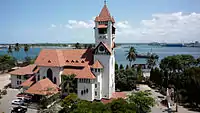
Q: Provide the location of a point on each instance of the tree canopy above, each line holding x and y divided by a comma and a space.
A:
138, 102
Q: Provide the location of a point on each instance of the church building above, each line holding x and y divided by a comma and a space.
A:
94, 67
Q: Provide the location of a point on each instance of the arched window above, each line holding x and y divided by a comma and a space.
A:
50, 74
55, 80
44, 77
38, 77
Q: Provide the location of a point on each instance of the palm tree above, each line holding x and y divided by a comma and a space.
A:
26, 49
77, 46
152, 60
68, 83
10, 50
17, 48
131, 55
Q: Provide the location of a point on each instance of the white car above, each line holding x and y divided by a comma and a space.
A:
17, 102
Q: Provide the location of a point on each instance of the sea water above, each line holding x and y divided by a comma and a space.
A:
120, 52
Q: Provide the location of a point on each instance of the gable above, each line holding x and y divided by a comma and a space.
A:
102, 49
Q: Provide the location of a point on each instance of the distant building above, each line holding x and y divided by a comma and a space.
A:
94, 67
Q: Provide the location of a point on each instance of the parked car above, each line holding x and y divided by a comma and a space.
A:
18, 102
19, 109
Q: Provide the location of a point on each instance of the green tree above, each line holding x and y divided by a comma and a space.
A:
69, 84
6, 62
17, 48
142, 101
139, 73
26, 49
131, 55
77, 46
121, 67
10, 51
152, 60
116, 66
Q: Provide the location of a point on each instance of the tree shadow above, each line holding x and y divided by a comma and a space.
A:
191, 107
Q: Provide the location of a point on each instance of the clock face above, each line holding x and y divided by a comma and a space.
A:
101, 48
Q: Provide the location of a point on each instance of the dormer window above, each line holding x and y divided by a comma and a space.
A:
76, 61
49, 61
67, 60
72, 61
82, 61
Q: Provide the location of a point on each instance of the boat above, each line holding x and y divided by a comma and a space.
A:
173, 45
142, 56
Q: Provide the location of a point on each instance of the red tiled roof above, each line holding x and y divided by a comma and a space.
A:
65, 57
104, 15
115, 95
30, 69
29, 82
102, 26
80, 73
43, 87
97, 64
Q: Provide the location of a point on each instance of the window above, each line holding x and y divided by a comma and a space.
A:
86, 90
95, 70
95, 85
20, 82
95, 93
55, 80
19, 77
17, 82
44, 77
50, 74
81, 92
38, 77
91, 69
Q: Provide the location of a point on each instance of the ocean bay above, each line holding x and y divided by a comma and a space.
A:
120, 52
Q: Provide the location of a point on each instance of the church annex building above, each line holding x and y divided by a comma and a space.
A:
94, 67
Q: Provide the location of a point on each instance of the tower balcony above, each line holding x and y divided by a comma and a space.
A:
103, 36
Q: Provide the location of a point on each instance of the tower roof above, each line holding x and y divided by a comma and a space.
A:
104, 15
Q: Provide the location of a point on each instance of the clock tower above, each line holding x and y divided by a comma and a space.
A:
104, 50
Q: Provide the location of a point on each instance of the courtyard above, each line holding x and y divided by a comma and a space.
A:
5, 101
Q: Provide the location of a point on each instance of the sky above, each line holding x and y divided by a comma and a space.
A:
69, 21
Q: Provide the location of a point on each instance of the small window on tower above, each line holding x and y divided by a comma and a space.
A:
95, 93
95, 85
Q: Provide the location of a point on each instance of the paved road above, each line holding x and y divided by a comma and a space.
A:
5, 102
4, 80
158, 108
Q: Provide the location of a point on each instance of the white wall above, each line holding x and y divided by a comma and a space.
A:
56, 73
14, 80
105, 61
83, 86
98, 81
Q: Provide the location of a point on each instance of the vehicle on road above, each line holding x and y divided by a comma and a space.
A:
18, 102
19, 109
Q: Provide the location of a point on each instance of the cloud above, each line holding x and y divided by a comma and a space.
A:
123, 25
74, 24
174, 27
170, 27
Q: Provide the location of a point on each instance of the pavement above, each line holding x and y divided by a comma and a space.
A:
5, 101
159, 108
4, 80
